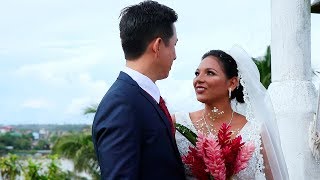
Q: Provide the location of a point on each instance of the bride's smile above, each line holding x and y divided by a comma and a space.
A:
211, 83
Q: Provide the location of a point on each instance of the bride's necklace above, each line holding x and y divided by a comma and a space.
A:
202, 122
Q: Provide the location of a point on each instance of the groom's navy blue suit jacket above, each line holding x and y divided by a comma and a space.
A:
132, 136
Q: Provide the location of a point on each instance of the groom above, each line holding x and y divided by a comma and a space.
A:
133, 133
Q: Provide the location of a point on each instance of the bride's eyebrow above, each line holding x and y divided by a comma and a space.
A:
211, 69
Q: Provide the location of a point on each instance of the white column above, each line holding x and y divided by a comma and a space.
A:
292, 92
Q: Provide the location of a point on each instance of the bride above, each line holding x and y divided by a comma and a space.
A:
228, 85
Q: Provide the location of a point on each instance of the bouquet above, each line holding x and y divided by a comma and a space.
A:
217, 157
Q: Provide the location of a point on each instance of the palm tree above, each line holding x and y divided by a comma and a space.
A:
264, 66
32, 170
35, 170
79, 148
91, 109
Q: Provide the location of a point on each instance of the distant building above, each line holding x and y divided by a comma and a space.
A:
35, 135
5, 129
9, 147
43, 134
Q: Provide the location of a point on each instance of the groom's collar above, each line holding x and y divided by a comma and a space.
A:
144, 82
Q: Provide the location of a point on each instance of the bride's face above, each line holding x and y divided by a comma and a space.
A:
210, 82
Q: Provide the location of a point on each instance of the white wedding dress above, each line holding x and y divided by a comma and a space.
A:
250, 132
261, 125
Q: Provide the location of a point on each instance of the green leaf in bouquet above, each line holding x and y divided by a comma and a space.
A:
187, 133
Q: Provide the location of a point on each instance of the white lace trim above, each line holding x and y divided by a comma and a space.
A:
248, 112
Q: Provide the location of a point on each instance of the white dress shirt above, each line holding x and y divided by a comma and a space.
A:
144, 82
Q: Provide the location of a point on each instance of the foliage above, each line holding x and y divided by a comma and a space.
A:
10, 167
91, 109
33, 171
264, 66
42, 145
18, 141
79, 148
54, 137
54, 172
3, 149
191, 136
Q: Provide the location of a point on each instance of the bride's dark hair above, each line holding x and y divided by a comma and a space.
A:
230, 69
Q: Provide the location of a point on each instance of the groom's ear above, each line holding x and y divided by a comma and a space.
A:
155, 46
233, 83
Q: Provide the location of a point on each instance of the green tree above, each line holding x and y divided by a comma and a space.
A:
79, 148
3, 149
46, 171
264, 66
53, 138
7, 139
18, 141
91, 109
54, 172
32, 171
22, 144
42, 144
10, 167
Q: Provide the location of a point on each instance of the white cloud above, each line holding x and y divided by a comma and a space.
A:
72, 51
38, 103
78, 105
179, 95
59, 71
96, 88
93, 91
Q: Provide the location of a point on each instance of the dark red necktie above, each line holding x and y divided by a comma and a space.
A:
164, 108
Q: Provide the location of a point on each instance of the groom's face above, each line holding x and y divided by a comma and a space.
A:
167, 54
210, 82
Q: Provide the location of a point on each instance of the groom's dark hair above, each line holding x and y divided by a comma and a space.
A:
230, 69
142, 23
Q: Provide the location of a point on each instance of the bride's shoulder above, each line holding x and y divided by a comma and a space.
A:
180, 116
240, 117
242, 122
239, 120
196, 114
183, 117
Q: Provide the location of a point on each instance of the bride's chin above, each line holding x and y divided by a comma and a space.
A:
202, 100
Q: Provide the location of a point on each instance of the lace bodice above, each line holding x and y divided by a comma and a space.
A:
250, 132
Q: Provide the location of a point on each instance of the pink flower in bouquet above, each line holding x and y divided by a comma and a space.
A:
213, 158
220, 157
244, 156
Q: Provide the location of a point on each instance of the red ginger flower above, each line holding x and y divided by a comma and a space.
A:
224, 135
196, 164
200, 144
213, 159
222, 157
244, 156
230, 148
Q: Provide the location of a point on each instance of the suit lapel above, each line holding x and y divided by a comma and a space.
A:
164, 119
128, 79
160, 112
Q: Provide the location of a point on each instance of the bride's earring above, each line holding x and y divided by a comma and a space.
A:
229, 93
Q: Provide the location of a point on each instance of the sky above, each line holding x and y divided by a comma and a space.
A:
59, 57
